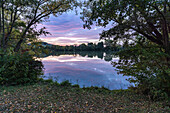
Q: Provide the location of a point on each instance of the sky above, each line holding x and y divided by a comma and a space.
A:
67, 29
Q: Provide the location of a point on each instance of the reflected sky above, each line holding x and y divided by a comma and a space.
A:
84, 71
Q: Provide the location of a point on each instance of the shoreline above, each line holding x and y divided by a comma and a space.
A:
48, 96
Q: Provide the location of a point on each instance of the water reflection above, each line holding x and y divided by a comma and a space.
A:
85, 69
91, 54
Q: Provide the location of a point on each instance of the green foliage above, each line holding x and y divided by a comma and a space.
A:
65, 83
19, 69
40, 79
148, 68
48, 81
142, 26
76, 86
129, 18
56, 83
82, 47
19, 19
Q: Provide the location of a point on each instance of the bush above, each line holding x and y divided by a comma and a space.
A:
76, 86
19, 69
147, 67
65, 83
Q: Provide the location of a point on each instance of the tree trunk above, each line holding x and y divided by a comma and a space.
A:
3, 26
166, 36
0, 25
18, 45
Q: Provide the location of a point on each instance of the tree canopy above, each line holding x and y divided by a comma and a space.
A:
144, 28
129, 18
19, 19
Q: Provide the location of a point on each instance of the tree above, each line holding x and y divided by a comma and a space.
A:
83, 47
130, 18
24, 15
100, 46
144, 28
2, 24
18, 22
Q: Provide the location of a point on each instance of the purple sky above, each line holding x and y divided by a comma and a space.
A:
67, 29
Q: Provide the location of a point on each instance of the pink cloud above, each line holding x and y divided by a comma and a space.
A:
68, 29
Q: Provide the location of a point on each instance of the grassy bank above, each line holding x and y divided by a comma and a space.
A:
52, 97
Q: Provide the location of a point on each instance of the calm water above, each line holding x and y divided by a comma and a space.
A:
85, 69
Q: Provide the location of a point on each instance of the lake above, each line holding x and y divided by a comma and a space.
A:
84, 68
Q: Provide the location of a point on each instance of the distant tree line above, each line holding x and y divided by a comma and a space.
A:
82, 47
107, 56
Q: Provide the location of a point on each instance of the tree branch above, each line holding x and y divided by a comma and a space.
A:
148, 37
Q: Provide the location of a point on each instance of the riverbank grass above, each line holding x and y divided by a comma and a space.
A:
54, 97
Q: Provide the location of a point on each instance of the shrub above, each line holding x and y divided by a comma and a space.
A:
147, 67
76, 86
65, 83
19, 69
48, 81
